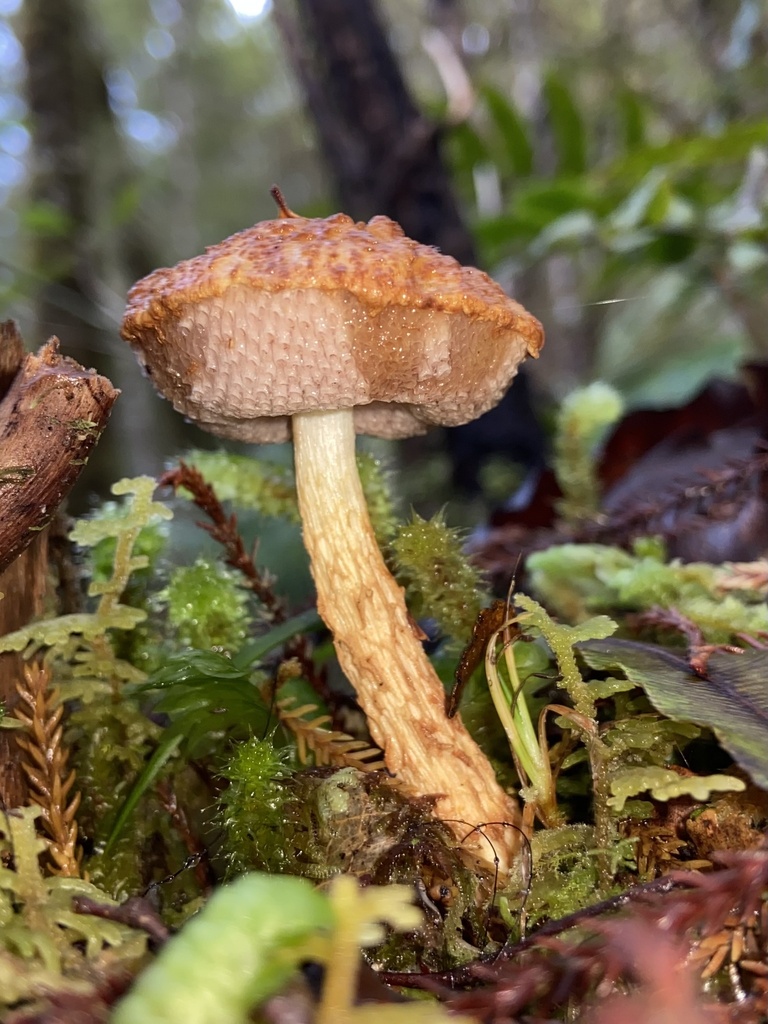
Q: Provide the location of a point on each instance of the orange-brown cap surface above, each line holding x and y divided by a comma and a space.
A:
297, 314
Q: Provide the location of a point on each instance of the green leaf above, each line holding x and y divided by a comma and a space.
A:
536, 205
512, 131
164, 751
542, 201
467, 148
732, 145
665, 784
46, 218
732, 700
574, 229
242, 946
191, 666
632, 114
195, 665
567, 126
255, 651
213, 705
633, 212
204, 692
199, 707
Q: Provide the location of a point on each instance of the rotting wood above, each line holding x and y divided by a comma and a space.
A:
50, 419
52, 413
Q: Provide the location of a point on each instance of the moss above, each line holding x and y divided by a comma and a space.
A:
209, 702
252, 807
440, 581
577, 580
207, 606
582, 422
565, 875
255, 484
39, 926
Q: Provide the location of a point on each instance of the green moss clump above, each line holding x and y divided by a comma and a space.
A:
207, 606
577, 580
255, 484
110, 742
323, 822
582, 422
440, 581
253, 807
375, 482
565, 874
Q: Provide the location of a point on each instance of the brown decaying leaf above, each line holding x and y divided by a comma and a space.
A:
488, 622
45, 765
704, 466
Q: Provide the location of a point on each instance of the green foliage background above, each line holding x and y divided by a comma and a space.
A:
613, 168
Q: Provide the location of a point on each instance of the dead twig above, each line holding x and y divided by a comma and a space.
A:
699, 652
136, 912
203, 870
223, 529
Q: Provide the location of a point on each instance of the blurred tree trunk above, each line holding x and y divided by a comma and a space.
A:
179, 86
386, 158
68, 112
384, 154
79, 254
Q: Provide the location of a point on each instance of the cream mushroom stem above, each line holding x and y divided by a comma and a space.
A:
396, 685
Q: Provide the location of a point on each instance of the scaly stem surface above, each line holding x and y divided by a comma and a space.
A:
396, 685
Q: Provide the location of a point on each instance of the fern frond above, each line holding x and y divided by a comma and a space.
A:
327, 746
91, 629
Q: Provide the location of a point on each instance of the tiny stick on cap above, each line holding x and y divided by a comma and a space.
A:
285, 210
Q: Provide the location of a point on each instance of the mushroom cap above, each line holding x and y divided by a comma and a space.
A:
299, 314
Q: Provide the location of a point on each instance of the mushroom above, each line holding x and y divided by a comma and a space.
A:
320, 328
